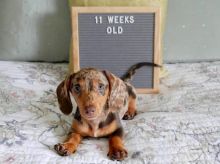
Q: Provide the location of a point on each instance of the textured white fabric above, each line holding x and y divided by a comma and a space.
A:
179, 125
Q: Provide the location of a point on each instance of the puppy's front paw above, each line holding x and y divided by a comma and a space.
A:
117, 153
65, 149
129, 115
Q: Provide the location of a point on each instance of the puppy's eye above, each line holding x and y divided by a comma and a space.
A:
76, 88
101, 87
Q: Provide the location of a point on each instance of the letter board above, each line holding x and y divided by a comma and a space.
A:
115, 38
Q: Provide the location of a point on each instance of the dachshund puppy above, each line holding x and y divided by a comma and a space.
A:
102, 101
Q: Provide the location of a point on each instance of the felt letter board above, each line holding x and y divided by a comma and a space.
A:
115, 38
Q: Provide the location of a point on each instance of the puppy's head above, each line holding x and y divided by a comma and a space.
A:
90, 89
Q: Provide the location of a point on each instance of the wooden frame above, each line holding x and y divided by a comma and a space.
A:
75, 58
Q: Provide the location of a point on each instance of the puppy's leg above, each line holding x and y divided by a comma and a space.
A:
116, 147
69, 146
131, 112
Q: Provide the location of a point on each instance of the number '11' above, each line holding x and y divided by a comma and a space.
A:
98, 19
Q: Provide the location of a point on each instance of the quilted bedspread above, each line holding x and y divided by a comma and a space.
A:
181, 124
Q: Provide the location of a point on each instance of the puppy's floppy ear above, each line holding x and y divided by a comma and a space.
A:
115, 90
63, 95
111, 79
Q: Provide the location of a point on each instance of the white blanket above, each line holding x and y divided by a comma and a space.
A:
179, 125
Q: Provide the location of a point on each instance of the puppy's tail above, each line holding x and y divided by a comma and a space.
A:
132, 70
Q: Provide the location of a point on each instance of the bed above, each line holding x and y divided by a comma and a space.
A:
181, 124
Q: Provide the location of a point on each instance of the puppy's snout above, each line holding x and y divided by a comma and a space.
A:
90, 110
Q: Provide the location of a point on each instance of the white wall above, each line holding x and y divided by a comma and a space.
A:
34, 30
40, 30
192, 31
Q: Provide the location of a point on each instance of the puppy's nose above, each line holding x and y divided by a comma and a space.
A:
90, 110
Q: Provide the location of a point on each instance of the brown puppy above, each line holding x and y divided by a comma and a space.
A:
102, 101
